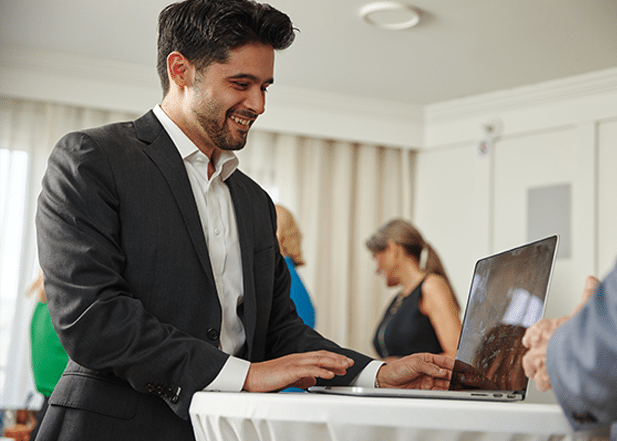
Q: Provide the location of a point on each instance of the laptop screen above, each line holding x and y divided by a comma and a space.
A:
507, 295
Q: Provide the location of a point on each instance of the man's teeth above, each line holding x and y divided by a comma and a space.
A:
244, 122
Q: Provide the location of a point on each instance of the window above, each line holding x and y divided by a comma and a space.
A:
14, 307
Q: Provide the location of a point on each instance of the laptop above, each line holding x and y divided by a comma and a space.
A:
507, 295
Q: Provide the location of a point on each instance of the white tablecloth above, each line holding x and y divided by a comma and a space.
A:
303, 416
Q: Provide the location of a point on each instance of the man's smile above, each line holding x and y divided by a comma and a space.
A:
243, 121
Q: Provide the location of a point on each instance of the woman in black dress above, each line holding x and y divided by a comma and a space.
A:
425, 315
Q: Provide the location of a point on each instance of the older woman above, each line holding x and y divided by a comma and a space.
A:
425, 315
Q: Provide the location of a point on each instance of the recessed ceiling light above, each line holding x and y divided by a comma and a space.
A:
390, 15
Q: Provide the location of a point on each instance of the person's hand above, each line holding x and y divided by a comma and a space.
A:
417, 371
467, 377
536, 339
537, 336
295, 370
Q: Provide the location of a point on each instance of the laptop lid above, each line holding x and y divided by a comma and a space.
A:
507, 295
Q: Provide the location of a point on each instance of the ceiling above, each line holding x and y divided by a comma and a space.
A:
459, 49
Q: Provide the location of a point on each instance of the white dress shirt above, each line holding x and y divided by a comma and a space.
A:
218, 220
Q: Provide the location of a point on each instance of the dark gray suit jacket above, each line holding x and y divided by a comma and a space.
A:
131, 290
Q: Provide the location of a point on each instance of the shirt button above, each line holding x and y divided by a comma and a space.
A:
217, 231
212, 334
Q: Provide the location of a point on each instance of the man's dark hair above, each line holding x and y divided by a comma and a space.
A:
204, 31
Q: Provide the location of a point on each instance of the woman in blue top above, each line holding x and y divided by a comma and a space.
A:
425, 315
289, 237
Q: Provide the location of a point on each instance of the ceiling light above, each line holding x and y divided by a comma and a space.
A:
390, 15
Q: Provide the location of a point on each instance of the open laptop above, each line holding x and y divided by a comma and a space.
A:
507, 295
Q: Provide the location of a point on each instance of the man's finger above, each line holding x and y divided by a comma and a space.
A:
432, 369
326, 359
542, 382
440, 360
591, 284
528, 366
528, 337
322, 364
304, 383
440, 384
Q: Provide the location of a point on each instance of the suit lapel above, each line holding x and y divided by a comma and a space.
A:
164, 154
243, 209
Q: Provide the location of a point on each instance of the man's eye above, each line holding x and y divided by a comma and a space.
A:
241, 85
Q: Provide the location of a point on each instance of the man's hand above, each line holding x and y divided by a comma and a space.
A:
536, 339
417, 371
295, 370
467, 377
537, 336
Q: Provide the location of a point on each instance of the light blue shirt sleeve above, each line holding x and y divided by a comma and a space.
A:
581, 358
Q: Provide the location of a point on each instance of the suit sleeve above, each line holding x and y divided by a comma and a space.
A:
581, 360
102, 325
288, 334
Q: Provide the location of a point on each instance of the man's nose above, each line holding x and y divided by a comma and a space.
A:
256, 101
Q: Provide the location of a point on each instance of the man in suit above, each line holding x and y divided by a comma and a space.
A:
161, 262
576, 356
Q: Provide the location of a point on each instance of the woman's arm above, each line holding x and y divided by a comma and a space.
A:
437, 304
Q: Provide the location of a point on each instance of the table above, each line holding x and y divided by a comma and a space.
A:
218, 416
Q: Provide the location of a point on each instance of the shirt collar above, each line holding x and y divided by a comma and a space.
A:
227, 163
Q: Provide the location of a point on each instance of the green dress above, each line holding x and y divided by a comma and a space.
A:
48, 356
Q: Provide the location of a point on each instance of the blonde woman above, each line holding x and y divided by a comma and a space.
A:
289, 238
425, 315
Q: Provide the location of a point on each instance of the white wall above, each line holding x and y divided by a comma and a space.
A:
607, 199
470, 205
83, 81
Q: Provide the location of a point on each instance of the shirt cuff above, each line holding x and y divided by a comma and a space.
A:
366, 378
232, 377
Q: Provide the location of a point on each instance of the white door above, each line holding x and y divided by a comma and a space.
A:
560, 162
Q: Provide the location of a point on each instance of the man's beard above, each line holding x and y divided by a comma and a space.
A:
218, 132
221, 137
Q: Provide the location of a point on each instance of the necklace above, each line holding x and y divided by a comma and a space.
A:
400, 297
397, 303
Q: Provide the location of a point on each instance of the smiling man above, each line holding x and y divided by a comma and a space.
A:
216, 106
160, 257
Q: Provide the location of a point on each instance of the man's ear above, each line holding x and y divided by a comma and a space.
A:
179, 70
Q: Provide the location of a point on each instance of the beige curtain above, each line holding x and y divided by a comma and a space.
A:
340, 193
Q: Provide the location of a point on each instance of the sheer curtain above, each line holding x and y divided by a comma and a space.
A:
28, 132
339, 193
